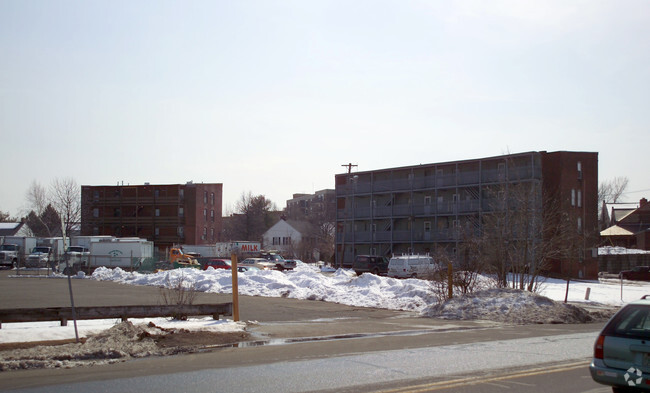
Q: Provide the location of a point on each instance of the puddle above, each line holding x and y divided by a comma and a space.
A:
352, 336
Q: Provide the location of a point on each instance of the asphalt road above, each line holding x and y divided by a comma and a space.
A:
287, 333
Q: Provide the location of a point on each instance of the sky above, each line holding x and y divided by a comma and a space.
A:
273, 97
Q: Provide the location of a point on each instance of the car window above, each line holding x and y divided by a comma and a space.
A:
633, 322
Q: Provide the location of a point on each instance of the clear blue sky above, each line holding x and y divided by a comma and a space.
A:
272, 97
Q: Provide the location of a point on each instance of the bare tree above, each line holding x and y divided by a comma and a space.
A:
6, 217
611, 191
252, 217
40, 218
65, 197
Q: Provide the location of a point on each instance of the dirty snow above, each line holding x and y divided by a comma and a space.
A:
110, 341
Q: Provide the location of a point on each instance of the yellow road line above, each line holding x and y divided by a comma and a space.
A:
484, 379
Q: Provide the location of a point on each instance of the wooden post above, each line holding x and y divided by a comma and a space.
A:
450, 280
235, 288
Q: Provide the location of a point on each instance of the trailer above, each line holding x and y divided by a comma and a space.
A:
125, 253
204, 250
14, 249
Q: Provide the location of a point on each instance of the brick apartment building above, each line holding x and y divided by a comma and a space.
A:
418, 209
165, 214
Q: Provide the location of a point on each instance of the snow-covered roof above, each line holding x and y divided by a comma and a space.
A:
9, 225
616, 231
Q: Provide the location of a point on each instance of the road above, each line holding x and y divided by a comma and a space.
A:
317, 346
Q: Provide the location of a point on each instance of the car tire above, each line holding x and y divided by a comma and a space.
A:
624, 389
375, 271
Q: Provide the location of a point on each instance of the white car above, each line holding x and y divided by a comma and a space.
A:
259, 263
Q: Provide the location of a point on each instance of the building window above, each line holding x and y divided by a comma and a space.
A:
156, 193
212, 215
181, 232
212, 233
205, 197
180, 212
212, 198
95, 212
205, 233
96, 195
157, 213
156, 231
579, 224
427, 226
116, 212
181, 193
579, 198
205, 214
573, 197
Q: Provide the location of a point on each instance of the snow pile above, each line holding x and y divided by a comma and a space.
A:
609, 250
509, 306
304, 282
121, 342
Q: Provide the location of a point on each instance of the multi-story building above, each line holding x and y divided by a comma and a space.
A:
321, 204
165, 214
427, 208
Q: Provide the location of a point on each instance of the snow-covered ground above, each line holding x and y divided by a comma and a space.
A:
307, 282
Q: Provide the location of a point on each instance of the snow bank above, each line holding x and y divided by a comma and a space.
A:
508, 305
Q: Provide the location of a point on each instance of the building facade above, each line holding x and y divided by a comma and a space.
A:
321, 204
428, 208
165, 214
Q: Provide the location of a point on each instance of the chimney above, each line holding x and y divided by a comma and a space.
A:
642, 202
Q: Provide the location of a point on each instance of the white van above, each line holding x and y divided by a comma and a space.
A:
411, 266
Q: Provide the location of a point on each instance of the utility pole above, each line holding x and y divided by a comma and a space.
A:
349, 166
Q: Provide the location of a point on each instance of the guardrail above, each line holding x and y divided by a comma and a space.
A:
64, 314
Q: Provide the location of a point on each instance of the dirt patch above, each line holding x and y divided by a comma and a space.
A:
120, 343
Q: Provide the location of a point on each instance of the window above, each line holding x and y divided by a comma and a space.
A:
573, 197
156, 231
427, 200
95, 212
579, 198
212, 233
579, 224
579, 170
181, 232
427, 226
205, 233
116, 212
96, 195
157, 213
156, 193
205, 214
180, 212
212, 198
212, 215
205, 197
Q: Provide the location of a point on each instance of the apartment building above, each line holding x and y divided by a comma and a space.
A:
165, 214
428, 208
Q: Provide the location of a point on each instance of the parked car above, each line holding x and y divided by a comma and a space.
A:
622, 349
217, 264
412, 266
242, 269
279, 261
259, 263
370, 264
639, 273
